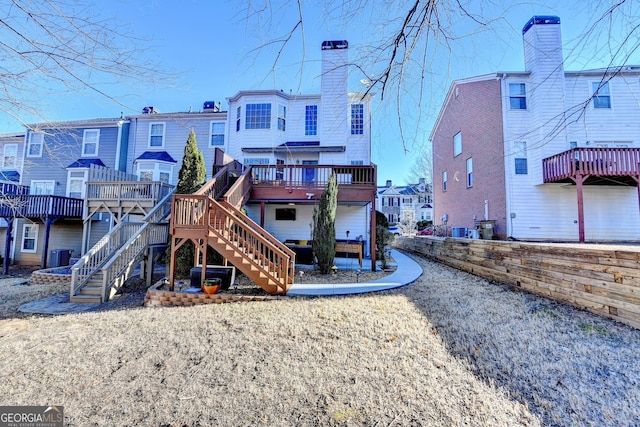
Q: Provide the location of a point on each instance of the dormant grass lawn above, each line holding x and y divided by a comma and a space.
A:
448, 350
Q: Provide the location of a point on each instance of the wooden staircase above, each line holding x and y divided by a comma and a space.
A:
212, 218
98, 275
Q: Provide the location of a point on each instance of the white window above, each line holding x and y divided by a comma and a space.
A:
601, 95
76, 181
9, 156
457, 144
520, 157
258, 116
156, 135
217, 134
469, 172
35, 143
311, 120
155, 171
30, 238
282, 117
42, 187
90, 140
517, 96
357, 119
444, 181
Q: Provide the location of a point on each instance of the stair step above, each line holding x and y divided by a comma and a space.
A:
91, 290
85, 299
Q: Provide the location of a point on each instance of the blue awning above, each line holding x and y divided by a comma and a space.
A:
162, 156
85, 163
12, 176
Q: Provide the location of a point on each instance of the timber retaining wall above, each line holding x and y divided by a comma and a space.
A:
603, 279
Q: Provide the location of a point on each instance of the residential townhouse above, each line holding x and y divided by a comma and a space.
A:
290, 146
118, 171
406, 204
544, 153
157, 140
54, 169
296, 139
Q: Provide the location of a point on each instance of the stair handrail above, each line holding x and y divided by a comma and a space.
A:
257, 228
217, 184
237, 192
99, 254
283, 264
95, 257
129, 252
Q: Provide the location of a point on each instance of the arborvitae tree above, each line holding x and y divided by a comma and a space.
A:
190, 178
324, 226
193, 172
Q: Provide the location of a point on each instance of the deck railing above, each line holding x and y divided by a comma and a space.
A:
7, 188
592, 161
95, 257
312, 176
38, 206
237, 193
199, 214
216, 185
127, 190
275, 260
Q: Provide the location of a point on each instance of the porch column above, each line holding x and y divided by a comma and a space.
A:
262, 214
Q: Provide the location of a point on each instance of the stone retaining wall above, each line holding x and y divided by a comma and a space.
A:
163, 298
45, 277
603, 279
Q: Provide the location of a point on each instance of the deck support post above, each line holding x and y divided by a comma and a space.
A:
262, 214
45, 249
176, 243
203, 247
579, 180
7, 246
372, 243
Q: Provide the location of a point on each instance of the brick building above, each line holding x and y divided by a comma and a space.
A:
547, 154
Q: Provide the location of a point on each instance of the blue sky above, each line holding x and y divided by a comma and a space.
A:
213, 51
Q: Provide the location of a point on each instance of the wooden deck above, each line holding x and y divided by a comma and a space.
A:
598, 166
40, 206
307, 182
125, 197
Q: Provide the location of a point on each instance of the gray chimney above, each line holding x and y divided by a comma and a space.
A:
388, 183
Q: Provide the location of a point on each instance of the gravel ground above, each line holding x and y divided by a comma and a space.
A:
450, 349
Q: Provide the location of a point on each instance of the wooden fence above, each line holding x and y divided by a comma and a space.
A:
603, 279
